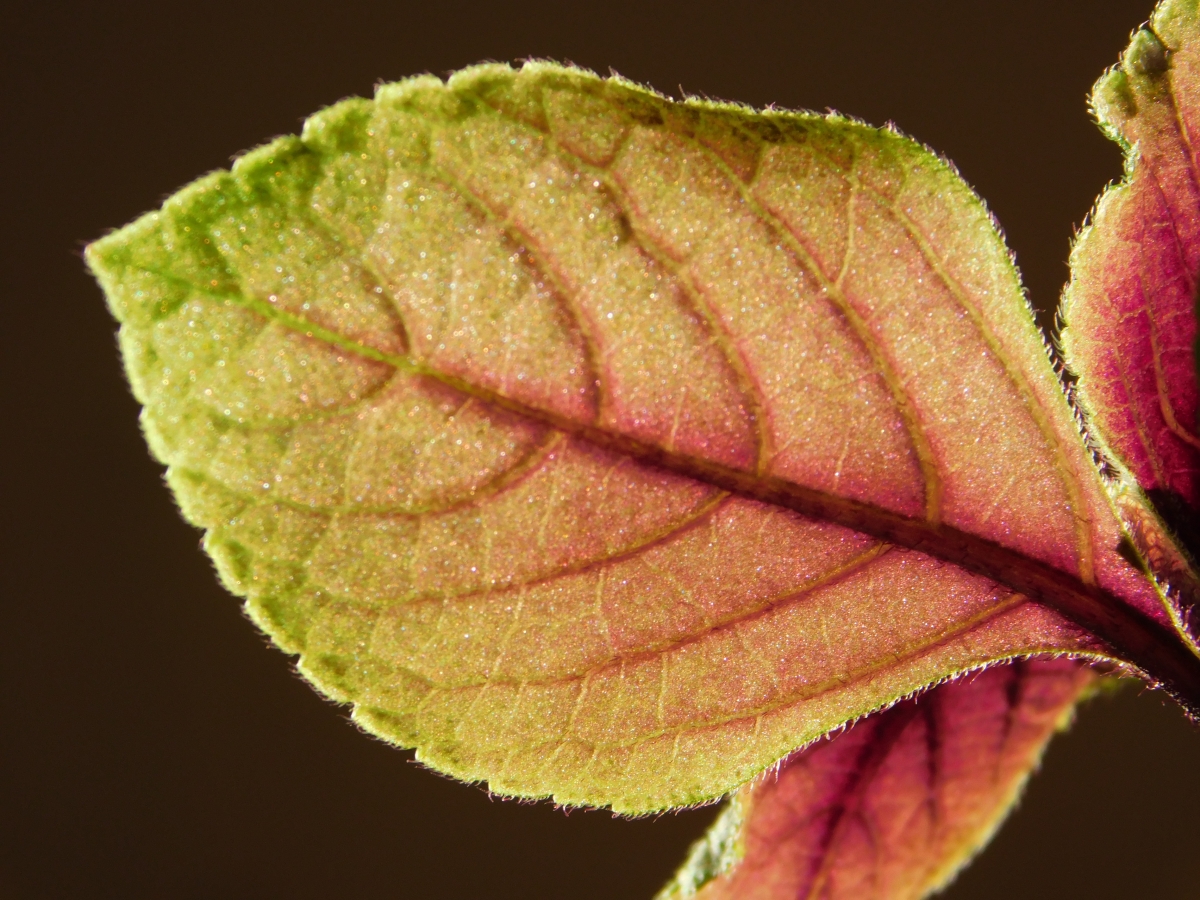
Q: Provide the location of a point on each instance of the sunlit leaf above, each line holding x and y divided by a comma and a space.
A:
610, 448
891, 808
1131, 306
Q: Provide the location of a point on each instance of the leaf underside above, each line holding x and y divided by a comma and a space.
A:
608, 448
891, 808
1130, 309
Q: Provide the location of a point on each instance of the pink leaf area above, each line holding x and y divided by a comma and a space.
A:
893, 806
1130, 309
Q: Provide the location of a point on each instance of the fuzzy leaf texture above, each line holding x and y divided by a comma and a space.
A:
892, 807
608, 448
1130, 309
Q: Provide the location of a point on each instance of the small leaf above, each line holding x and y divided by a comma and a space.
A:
610, 448
1130, 308
893, 807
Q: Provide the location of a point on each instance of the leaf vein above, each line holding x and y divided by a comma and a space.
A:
926, 461
1083, 524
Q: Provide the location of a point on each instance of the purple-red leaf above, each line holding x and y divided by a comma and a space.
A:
892, 807
1130, 309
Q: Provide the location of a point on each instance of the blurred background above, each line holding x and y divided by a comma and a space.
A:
153, 744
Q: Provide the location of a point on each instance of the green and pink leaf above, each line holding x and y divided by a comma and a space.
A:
486, 434
609, 448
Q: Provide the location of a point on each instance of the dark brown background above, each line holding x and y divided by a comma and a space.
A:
153, 745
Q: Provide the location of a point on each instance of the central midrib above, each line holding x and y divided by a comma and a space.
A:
1132, 635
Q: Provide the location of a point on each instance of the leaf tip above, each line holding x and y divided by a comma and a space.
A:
715, 854
1146, 54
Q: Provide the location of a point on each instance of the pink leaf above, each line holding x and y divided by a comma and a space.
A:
1130, 307
895, 805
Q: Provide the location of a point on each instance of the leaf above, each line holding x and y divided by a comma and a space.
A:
610, 448
893, 807
1130, 307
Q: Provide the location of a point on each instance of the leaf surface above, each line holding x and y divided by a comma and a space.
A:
892, 807
610, 448
1130, 308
